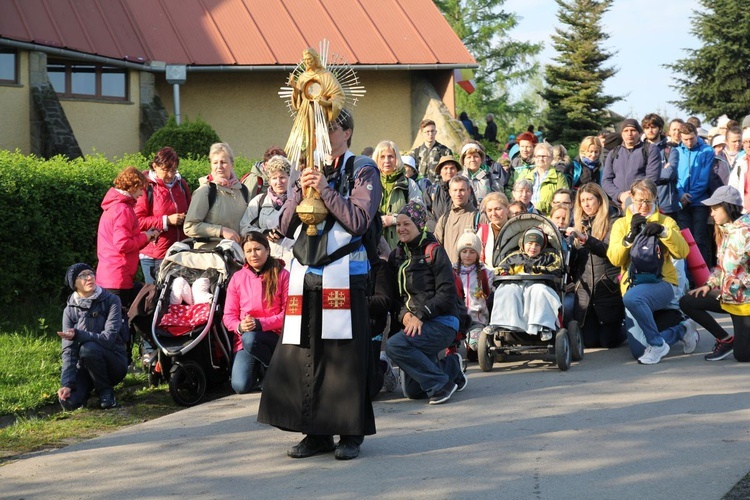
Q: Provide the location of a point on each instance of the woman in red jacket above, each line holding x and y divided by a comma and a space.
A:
162, 208
119, 238
254, 310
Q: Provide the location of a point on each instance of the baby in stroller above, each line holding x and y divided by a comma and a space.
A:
531, 307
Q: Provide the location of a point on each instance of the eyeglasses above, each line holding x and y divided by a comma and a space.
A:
164, 168
640, 203
541, 156
86, 275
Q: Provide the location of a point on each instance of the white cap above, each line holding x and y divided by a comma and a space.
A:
718, 139
408, 160
746, 134
722, 121
702, 132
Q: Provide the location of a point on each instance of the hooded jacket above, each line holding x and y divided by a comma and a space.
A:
694, 171
118, 241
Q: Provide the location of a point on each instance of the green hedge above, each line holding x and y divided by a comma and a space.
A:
189, 139
51, 211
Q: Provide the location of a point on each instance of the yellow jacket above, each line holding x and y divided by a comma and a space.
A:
619, 254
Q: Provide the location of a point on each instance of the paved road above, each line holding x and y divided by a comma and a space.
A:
608, 428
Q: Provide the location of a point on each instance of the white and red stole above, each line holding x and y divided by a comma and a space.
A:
337, 311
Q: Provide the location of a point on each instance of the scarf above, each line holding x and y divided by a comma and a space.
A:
590, 164
337, 311
388, 182
85, 302
277, 199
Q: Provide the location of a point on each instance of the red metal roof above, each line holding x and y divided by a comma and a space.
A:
238, 32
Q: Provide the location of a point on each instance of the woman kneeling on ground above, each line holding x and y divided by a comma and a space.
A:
647, 343
728, 288
93, 342
254, 311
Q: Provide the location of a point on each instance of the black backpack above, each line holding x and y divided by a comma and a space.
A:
646, 260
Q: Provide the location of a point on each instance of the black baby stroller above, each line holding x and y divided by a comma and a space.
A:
194, 348
496, 343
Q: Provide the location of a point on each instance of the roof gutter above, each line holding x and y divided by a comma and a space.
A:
156, 67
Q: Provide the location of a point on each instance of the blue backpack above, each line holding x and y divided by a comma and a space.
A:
646, 260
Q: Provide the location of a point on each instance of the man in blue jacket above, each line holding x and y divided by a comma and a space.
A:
695, 158
629, 162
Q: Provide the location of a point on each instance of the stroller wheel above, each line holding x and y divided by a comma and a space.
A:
576, 341
562, 349
187, 383
485, 356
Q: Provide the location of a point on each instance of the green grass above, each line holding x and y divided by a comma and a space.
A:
61, 429
30, 366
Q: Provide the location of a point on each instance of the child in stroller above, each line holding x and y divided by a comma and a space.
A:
530, 307
527, 315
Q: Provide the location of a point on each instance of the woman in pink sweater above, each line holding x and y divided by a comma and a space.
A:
254, 311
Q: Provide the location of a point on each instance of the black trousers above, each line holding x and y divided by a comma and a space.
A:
698, 308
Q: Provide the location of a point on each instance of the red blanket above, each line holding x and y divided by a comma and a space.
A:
180, 319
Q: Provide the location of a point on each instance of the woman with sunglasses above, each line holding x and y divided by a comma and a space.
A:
163, 208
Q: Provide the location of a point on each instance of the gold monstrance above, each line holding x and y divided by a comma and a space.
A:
317, 94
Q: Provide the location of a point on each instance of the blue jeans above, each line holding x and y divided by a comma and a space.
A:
150, 268
417, 357
256, 352
640, 303
695, 218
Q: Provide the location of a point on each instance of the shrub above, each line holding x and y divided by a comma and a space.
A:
51, 213
189, 139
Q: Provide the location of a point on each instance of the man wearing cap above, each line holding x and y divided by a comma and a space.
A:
429, 153
693, 159
482, 181
462, 216
438, 201
631, 161
738, 177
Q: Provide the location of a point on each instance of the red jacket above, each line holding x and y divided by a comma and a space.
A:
245, 296
118, 241
165, 201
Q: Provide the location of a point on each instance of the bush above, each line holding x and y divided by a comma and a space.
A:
51, 213
189, 139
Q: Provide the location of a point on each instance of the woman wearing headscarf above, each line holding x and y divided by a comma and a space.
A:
427, 311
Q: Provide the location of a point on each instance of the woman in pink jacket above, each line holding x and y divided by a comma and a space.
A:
119, 238
163, 208
254, 310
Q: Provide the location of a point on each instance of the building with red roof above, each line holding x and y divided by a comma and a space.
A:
103, 67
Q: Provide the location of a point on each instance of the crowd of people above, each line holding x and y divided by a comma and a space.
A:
410, 246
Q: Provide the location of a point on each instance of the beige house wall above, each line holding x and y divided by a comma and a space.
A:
15, 106
109, 128
246, 111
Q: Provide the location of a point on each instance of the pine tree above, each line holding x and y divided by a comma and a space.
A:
574, 83
716, 77
483, 28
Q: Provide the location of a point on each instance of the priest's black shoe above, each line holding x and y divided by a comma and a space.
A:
311, 445
346, 449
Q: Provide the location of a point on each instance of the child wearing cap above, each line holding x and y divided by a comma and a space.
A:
530, 307
475, 280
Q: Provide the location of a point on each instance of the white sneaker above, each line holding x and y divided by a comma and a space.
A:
654, 354
691, 338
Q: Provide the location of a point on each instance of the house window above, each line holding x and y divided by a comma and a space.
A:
87, 80
8, 65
